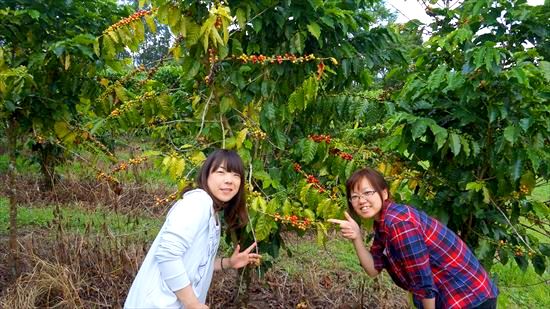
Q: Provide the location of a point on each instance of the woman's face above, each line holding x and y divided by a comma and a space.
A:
366, 201
224, 185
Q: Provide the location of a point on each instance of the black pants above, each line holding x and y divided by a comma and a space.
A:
488, 304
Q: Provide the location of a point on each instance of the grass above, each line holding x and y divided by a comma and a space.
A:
517, 289
80, 220
521, 289
337, 257
22, 165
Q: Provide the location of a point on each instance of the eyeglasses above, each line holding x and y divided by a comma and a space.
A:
354, 199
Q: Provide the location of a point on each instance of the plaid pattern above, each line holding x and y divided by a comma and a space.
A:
426, 258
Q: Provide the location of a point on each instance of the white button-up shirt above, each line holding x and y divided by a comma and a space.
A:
183, 253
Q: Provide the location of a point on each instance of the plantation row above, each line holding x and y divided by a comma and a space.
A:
453, 113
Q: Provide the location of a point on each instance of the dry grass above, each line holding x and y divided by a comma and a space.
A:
48, 285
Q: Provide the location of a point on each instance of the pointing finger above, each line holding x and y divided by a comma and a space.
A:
336, 221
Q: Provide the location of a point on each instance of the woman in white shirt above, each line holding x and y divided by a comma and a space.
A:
178, 268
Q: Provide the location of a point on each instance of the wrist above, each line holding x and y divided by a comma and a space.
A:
227, 261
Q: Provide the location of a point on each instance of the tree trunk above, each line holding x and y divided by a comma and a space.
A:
12, 147
47, 167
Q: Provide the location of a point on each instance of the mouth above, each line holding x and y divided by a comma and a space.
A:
365, 208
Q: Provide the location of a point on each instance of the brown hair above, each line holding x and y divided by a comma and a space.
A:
235, 213
375, 178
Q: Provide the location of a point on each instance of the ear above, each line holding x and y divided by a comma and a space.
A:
385, 194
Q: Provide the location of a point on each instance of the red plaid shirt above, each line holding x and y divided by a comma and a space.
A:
426, 258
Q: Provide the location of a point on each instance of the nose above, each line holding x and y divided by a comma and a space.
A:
228, 178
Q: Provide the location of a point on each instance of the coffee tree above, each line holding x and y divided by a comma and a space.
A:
47, 70
288, 85
472, 118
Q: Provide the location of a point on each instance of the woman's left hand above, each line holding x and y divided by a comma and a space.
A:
241, 259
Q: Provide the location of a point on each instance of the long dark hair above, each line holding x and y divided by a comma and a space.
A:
235, 213
375, 178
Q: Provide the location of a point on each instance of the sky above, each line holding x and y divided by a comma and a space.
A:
412, 9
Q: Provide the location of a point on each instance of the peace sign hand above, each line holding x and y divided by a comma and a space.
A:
349, 228
241, 259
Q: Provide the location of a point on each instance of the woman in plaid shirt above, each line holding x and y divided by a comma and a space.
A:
421, 254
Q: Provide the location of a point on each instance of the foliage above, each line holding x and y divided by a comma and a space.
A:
472, 119
264, 79
47, 69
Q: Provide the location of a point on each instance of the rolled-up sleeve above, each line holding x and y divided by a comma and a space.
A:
182, 225
409, 248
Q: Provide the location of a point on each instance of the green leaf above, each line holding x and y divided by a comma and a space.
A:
121, 93
455, 80
241, 17
151, 23
465, 146
440, 134
418, 128
437, 77
296, 100
520, 76
479, 57
113, 35
321, 233
539, 263
504, 255
262, 227
226, 104
316, 4
108, 47
522, 262
139, 30
310, 148
528, 180
193, 32
511, 133
545, 249
314, 29
475, 186
34, 14
174, 17
484, 250
61, 129
96, 47
241, 136
545, 67
516, 168
454, 143
297, 43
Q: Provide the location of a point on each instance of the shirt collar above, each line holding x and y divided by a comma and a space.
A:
385, 205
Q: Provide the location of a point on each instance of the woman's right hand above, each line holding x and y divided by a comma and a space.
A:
349, 228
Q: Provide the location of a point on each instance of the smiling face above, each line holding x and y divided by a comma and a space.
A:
223, 184
365, 200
